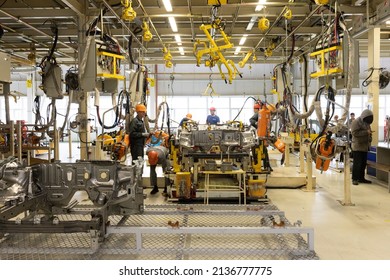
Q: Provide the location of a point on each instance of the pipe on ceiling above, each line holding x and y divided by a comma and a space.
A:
189, 3
297, 27
36, 30
151, 22
272, 26
123, 24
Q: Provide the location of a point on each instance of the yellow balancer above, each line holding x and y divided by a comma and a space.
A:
263, 24
128, 12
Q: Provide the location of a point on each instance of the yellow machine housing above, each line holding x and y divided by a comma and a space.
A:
183, 184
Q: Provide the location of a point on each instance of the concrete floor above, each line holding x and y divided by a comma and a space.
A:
358, 232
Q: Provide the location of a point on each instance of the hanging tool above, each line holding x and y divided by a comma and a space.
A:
128, 12
325, 151
245, 59
167, 57
287, 14
215, 50
147, 36
263, 24
209, 89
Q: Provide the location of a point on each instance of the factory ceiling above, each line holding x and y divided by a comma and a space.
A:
28, 27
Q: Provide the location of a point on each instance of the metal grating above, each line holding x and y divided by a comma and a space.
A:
203, 232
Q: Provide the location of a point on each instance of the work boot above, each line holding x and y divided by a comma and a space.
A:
365, 181
155, 190
165, 193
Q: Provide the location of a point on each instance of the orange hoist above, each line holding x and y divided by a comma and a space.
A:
264, 126
264, 120
325, 151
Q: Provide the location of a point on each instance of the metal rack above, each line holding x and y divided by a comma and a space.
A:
180, 231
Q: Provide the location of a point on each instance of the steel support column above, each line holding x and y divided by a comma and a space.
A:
374, 52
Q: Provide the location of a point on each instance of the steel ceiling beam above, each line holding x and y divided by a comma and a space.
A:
32, 27
76, 6
123, 23
297, 27
151, 22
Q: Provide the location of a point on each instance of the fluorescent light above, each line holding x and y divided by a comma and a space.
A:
178, 39
167, 5
259, 8
251, 23
243, 39
25, 39
388, 22
238, 49
181, 50
261, 5
172, 22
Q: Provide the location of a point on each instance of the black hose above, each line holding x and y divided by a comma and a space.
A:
239, 112
305, 88
50, 57
118, 111
328, 116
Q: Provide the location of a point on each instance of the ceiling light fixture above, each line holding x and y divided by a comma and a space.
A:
172, 22
243, 39
181, 50
251, 23
178, 39
238, 49
260, 6
167, 5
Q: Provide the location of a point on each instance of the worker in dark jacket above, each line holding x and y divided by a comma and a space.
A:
186, 119
158, 155
361, 141
138, 133
254, 119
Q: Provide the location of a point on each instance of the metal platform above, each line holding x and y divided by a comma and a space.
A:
176, 232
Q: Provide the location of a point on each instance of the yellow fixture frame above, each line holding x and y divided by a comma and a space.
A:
324, 71
111, 75
215, 50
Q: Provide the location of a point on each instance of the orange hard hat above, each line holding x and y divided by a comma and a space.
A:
153, 157
140, 108
189, 116
212, 109
256, 106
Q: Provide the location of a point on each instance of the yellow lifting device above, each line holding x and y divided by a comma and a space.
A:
215, 51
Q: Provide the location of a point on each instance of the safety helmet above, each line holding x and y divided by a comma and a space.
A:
189, 115
153, 157
212, 109
140, 108
256, 106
